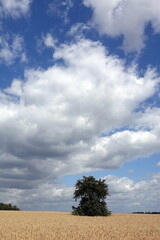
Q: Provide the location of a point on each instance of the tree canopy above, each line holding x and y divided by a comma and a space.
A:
92, 194
8, 206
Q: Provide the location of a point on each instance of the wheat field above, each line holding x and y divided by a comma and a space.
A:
64, 226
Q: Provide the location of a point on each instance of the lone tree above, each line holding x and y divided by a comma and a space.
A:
92, 194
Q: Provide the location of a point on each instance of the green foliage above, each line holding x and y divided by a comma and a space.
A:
9, 206
146, 212
92, 194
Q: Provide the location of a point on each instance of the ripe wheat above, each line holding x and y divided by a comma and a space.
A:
64, 226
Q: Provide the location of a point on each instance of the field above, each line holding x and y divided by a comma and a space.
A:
64, 226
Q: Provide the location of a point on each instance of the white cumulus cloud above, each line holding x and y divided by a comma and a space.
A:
55, 118
125, 17
130, 196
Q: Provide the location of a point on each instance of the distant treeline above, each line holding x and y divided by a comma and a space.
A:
9, 206
147, 212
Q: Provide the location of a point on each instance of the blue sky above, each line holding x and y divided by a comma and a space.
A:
79, 91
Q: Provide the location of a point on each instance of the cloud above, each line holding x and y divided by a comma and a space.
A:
55, 118
79, 31
61, 9
127, 18
123, 146
158, 164
12, 48
131, 170
14, 8
46, 41
49, 41
130, 196
12, 45
49, 197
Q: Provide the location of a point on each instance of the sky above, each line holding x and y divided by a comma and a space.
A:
79, 96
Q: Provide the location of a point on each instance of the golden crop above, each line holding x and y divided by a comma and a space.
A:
64, 226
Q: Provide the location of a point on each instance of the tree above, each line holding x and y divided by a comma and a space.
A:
92, 194
9, 207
